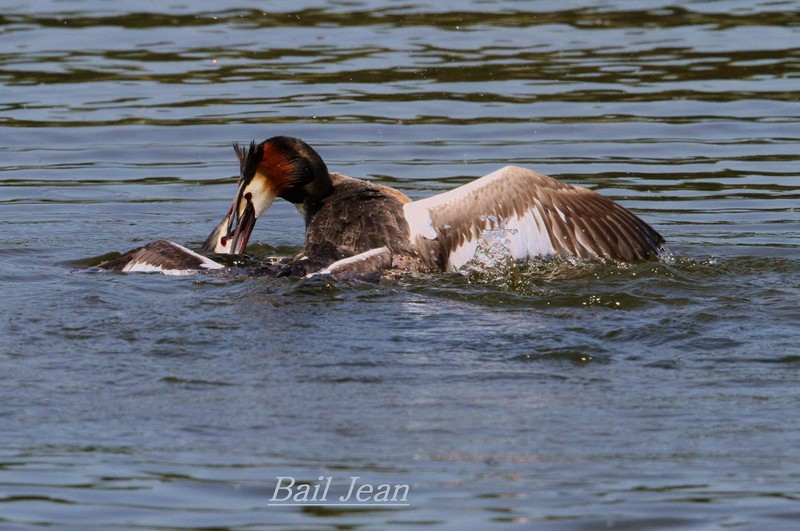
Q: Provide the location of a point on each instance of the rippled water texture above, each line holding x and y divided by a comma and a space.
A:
549, 395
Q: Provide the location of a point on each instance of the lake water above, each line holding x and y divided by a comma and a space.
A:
535, 395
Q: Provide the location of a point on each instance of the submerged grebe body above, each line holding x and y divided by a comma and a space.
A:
345, 217
161, 256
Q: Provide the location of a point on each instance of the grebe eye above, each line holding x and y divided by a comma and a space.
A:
223, 241
248, 196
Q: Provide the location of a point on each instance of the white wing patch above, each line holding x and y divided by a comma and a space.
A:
143, 267
529, 236
462, 254
457, 193
517, 237
153, 266
418, 216
205, 263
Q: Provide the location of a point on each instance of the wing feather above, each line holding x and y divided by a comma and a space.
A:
541, 217
161, 256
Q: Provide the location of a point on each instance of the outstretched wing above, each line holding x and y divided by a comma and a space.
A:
533, 214
161, 256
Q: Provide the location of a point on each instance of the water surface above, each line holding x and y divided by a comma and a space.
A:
547, 395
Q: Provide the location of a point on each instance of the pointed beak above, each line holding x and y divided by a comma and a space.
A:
233, 232
244, 226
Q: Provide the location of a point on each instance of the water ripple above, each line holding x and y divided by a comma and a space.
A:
545, 393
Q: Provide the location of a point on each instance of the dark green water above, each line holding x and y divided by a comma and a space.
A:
543, 395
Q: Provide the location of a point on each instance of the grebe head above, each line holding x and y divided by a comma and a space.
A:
282, 167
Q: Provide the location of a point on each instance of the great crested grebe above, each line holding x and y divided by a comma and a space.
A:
355, 226
347, 217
